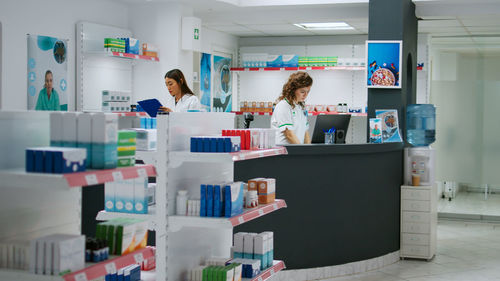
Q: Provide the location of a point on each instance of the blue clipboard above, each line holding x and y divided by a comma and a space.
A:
151, 106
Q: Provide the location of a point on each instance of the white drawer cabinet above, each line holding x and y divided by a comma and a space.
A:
418, 221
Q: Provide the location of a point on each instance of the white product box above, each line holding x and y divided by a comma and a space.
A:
126, 194
104, 128
238, 241
140, 196
248, 245
70, 129
146, 139
151, 193
56, 128
109, 197
84, 133
141, 234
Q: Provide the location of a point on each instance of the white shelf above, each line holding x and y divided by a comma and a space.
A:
122, 55
20, 178
175, 223
149, 157
185, 156
91, 272
266, 274
150, 216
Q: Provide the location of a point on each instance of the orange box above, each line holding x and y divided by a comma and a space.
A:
253, 108
253, 184
150, 54
266, 186
270, 106
267, 198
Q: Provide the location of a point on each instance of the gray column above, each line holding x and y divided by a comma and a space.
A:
395, 20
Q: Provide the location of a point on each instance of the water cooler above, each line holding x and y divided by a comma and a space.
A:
419, 160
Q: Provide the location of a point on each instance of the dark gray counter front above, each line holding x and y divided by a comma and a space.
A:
343, 202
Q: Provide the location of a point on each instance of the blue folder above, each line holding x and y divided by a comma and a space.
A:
151, 106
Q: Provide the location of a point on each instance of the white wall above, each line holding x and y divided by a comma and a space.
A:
52, 18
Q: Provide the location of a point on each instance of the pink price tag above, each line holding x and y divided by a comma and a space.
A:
81, 277
275, 206
261, 212
91, 179
117, 176
260, 279
139, 258
272, 271
142, 173
241, 220
110, 268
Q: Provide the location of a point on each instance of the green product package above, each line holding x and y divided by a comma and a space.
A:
112, 226
122, 153
126, 161
127, 138
303, 61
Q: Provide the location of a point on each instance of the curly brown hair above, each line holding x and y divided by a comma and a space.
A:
296, 81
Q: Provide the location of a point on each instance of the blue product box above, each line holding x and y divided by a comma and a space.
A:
213, 145
203, 200
153, 123
131, 45
275, 61
270, 258
217, 201
48, 163
144, 122
30, 160
194, 144
69, 160
210, 200
227, 145
199, 145
39, 161
220, 145
233, 199
206, 145
290, 60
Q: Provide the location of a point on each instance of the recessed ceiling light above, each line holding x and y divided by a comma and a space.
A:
324, 26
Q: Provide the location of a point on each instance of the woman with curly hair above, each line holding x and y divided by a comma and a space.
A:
290, 115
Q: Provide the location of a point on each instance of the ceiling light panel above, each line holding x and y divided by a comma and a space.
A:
324, 26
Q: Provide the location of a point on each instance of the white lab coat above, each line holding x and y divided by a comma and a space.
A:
187, 102
285, 117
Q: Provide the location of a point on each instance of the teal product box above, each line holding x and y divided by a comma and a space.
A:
248, 245
233, 199
140, 195
203, 200
126, 194
270, 247
290, 60
84, 135
238, 244
210, 200
104, 140
144, 123
109, 197
274, 61
70, 129
56, 129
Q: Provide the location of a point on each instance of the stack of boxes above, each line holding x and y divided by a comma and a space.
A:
149, 50
114, 45
128, 273
252, 106
128, 196
55, 160
221, 200
126, 148
254, 139
132, 45
124, 235
253, 246
15, 254
115, 101
265, 187
317, 61
215, 144
104, 140
57, 254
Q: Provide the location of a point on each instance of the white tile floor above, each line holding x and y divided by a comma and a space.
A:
466, 251
471, 203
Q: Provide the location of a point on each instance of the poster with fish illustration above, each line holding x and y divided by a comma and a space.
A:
383, 64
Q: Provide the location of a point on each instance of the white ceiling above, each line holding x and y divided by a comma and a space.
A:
476, 21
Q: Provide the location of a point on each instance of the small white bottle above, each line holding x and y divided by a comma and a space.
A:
181, 202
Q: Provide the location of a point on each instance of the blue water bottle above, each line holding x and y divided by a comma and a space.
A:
421, 124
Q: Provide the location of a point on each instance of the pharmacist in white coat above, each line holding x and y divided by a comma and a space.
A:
290, 114
181, 98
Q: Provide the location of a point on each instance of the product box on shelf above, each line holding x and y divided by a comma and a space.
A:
215, 144
56, 129
248, 243
233, 199
274, 61
126, 148
84, 135
290, 60
104, 140
132, 45
146, 139
57, 160
124, 235
115, 96
114, 45
250, 267
70, 129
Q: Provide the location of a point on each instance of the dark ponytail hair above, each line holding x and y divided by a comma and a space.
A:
177, 75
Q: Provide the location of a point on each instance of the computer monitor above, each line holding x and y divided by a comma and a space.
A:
328, 121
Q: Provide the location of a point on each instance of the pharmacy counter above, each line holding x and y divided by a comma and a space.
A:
343, 202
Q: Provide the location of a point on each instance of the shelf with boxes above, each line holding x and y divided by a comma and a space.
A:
348, 68
268, 273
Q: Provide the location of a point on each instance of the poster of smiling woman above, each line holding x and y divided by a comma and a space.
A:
47, 73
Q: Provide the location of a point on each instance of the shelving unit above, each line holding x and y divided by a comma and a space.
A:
132, 114
313, 113
37, 204
182, 242
349, 68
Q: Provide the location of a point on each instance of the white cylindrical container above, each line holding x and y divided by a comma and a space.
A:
252, 199
181, 202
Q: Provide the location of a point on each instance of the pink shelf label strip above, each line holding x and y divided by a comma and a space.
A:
102, 176
257, 212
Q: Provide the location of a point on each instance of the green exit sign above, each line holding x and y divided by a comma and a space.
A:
196, 34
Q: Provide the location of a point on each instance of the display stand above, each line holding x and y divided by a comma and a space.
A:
35, 204
185, 242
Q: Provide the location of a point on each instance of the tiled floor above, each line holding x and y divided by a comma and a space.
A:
471, 203
466, 251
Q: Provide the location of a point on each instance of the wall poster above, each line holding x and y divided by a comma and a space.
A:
47, 73
222, 100
383, 64
205, 81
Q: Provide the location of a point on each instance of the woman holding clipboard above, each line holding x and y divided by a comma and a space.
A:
181, 99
